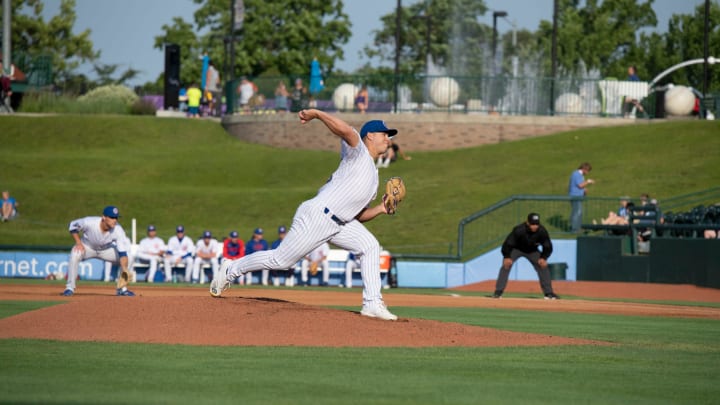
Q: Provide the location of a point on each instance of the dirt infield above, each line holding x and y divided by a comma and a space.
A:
297, 317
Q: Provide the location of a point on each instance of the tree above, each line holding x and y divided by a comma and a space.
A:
280, 35
456, 37
33, 35
597, 34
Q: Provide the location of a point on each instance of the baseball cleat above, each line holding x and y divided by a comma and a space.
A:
68, 293
378, 310
551, 296
124, 292
220, 283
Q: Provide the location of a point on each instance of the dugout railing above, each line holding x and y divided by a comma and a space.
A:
486, 229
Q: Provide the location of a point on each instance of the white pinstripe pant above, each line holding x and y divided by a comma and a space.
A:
310, 228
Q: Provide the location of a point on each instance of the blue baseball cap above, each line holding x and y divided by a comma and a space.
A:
207, 234
179, 229
282, 229
111, 211
377, 126
233, 234
258, 231
151, 228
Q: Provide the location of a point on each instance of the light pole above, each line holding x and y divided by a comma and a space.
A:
398, 10
496, 14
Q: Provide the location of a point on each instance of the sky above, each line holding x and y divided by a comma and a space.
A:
125, 31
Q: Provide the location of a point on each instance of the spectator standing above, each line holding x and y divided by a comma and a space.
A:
212, 86
577, 189
194, 96
180, 251
183, 99
629, 101
298, 96
207, 250
245, 91
151, 250
233, 249
531, 241
5, 91
281, 97
313, 262
103, 238
256, 244
290, 273
9, 206
362, 99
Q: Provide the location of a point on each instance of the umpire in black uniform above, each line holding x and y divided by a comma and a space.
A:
524, 241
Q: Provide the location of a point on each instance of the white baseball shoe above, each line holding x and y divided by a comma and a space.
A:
220, 283
378, 310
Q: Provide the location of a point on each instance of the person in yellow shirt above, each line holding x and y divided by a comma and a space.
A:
194, 95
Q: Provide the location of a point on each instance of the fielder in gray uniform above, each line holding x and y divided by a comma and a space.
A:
335, 215
102, 238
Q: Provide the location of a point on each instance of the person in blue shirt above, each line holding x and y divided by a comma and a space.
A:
577, 189
256, 244
9, 206
290, 273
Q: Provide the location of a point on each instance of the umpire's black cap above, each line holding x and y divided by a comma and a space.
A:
533, 218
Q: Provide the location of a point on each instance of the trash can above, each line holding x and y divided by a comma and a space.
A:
557, 270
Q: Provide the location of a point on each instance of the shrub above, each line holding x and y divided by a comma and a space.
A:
142, 107
111, 94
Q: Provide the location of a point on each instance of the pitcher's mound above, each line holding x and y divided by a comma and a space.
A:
240, 321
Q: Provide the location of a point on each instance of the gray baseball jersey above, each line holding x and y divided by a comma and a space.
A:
95, 238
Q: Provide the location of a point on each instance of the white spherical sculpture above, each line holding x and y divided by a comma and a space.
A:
569, 103
344, 96
444, 91
679, 100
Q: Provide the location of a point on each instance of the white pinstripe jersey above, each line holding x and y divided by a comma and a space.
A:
95, 238
353, 185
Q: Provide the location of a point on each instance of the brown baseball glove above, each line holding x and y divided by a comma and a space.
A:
313, 268
394, 193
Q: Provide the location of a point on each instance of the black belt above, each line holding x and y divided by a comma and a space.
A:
333, 217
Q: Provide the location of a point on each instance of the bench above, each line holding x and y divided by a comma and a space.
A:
337, 259
615, 92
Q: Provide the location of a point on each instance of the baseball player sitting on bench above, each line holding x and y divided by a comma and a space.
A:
314, 262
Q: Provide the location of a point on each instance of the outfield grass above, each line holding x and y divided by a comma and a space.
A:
652, 360
178, 171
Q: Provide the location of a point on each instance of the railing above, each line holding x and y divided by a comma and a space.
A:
470, 94
504, 95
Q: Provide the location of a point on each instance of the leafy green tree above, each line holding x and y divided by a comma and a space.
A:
596, 34
30, 33
280, 36
456, 38
105, 74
